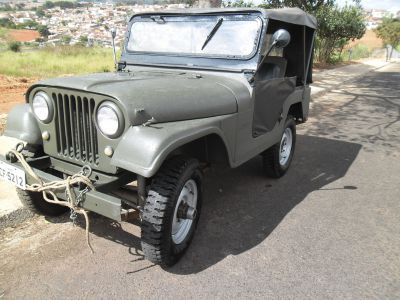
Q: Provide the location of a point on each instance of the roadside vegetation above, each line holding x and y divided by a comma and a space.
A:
389, 32
56, 61
337, 26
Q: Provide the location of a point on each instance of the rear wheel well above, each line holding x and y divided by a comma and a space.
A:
208, 149
296, 111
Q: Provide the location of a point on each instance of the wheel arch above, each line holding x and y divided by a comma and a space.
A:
143, 149
296, 110
209, 148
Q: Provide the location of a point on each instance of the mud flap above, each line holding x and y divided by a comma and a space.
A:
270, 96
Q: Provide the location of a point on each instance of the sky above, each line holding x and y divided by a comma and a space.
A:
380, 4
377, 4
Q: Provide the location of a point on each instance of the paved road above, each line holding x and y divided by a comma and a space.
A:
328, 230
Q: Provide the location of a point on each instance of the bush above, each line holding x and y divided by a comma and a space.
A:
15, 46
43, 31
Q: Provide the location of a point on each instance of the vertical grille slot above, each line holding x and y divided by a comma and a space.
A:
76, 134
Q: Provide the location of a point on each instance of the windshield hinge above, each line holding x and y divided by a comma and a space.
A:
158, 19
249, 74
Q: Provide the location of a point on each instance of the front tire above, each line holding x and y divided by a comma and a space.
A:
171, 211
277, 159
34, 202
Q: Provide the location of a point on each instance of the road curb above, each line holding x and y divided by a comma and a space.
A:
15, 217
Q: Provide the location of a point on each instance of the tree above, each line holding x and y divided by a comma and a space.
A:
28, 24
40, 13
336, 27
5, 22
6, 7
306, 5
389, 32
210, 3
83, 40
238, 3
48, 4
43, 31
20, 6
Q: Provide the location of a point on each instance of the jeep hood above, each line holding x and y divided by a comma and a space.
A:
164, 96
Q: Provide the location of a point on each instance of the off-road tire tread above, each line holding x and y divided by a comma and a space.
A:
159, 208
34, 202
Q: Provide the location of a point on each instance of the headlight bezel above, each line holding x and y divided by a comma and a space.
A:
118, 113
50, 107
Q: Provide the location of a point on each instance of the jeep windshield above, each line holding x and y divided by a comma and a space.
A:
228, 36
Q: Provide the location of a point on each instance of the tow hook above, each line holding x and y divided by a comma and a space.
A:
11, 157
86, 170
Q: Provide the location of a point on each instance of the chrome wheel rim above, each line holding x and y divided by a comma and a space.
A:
188, 196
286, 146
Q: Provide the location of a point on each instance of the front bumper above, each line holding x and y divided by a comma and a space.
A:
97, 200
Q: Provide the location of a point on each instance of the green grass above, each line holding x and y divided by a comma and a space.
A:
56, 61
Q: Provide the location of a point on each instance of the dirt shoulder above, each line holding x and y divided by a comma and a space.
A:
12, 91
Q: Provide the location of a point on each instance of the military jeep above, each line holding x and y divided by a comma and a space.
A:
191, 88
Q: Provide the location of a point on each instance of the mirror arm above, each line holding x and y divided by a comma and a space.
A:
262, 61
270, 49
113, 35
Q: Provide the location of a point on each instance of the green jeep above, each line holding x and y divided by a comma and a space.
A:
192, 88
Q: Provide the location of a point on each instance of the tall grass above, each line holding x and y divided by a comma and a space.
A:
358, 51
56, 61
3, 32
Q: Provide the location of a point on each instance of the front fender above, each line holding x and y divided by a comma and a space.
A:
143, 149
22, 125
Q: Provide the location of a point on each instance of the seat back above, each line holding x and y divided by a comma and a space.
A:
273, 67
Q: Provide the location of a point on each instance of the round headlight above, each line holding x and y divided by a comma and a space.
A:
109, 119
42, 107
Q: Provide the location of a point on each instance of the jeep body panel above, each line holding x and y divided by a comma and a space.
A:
169, 102
143, 149
22, 125
160, 94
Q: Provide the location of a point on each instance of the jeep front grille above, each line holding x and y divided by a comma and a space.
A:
76, 133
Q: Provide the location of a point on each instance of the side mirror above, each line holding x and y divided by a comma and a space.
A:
113, 32
281, 38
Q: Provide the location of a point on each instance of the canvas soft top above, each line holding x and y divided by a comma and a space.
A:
290, 15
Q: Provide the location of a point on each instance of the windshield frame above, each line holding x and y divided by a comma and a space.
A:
225, 16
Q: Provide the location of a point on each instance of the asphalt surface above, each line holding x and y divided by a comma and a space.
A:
329, 229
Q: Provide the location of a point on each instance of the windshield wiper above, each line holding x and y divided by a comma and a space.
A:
212, 32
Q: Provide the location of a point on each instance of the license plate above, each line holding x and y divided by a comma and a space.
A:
13, 175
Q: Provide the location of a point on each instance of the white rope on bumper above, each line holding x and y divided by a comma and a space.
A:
48, 188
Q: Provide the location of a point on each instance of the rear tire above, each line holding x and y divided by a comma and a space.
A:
34, 202
277, 159
165, 233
